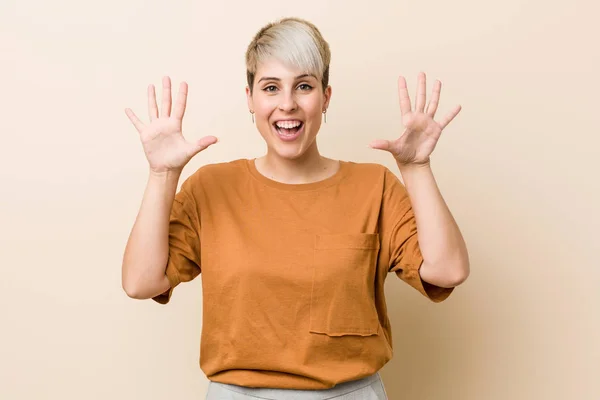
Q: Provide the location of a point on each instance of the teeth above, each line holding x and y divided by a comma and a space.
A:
288, 124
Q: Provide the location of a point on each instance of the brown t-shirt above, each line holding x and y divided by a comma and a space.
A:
293, 274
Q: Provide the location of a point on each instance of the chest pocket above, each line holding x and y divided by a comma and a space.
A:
342, 300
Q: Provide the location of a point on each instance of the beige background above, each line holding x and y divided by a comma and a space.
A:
518, 168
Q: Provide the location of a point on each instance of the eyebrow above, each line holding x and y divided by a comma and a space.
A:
272, 78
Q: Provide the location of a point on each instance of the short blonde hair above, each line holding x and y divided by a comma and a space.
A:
295, 42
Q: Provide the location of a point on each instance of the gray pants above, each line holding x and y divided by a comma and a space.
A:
369, 388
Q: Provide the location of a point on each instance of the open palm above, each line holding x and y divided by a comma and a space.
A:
421, 132
164, 145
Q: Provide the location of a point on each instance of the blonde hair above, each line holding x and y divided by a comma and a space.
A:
293, 41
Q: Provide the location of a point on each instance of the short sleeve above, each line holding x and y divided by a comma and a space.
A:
405, 258
184, 242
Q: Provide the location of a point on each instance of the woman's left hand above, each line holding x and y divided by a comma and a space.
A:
421, 132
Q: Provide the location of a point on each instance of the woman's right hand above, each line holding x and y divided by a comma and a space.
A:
164, 145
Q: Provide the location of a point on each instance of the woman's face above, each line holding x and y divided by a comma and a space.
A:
288, 107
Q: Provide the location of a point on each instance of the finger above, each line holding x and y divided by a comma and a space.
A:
166, 97
180, 101
421, 95
435, 99
203, 144
380, 144
445, 121
134, 120
403, 95
152, 107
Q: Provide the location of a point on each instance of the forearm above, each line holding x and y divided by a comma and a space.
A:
446, 260
147, 250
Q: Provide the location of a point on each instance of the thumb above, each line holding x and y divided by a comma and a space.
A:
203, 143
380, 145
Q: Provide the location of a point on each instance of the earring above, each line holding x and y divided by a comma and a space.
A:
252, 112
325, 115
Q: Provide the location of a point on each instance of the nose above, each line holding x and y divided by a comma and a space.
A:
288, 102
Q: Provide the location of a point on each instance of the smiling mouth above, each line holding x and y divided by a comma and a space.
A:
288, 129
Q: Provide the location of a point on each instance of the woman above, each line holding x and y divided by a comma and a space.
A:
293, 247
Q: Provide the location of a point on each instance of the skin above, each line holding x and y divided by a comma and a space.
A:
446, 260
162, 140
167, 151
288, 96
280, 92
422, 132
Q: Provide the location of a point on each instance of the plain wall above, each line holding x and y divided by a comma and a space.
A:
518, 168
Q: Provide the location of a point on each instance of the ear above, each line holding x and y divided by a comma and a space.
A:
249, 99
327, 94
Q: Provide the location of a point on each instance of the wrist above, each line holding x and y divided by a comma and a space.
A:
411, 167
168, 177
165, 174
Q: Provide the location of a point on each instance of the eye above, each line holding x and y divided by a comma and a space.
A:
270, 88
305, 87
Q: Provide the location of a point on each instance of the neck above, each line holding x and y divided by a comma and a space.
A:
308, 168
